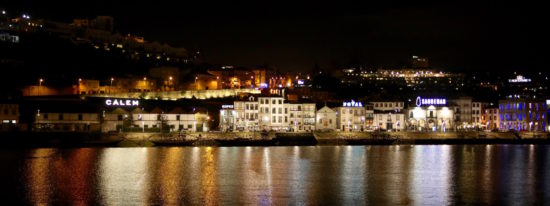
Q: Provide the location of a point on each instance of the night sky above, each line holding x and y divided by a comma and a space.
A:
295, 36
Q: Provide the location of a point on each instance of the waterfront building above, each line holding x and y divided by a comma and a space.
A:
490, 118
326, 119
463, 112
301, 116
521, 114
68, 122
272, 113
351, 116
389, 121
9, 116
430, 114
387, 106
246, 115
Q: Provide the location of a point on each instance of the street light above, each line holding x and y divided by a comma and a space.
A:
79, 81
39, 85
112, 79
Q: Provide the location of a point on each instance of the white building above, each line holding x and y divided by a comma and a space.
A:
389, 121
246, 115
351, 117
388, 106
272, 114
430, 118
326, 119
301, 116
463, 112
67, 122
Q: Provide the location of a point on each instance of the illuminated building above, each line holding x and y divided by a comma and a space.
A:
301, 116
389, 121
433, 114
388, 115
522, 115
9, 116
271, 114
246, 115
463, 112
490, 118
351, 116
326, 119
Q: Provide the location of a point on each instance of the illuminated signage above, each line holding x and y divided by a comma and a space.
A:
300, 81
548, 102
227, 106
519, 79
353, 104
430, 101
263, 85
121, 102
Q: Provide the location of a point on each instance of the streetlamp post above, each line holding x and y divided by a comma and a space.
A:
79, 83
110, 87
196, 77
39, 85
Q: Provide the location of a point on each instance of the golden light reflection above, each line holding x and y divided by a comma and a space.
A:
124, 176
169, 176
39, 182
209, 186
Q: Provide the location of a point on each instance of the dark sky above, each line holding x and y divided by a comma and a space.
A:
482, 35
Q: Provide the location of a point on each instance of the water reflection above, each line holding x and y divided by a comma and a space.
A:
319, 175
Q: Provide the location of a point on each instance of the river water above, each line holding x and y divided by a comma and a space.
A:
317, 175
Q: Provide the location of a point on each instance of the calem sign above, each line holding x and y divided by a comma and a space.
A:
430, 101
121, 102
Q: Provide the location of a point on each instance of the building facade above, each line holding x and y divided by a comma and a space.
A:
351, 117
430, 118
490, 119
9, 116
326, 119
522, 115
389, 121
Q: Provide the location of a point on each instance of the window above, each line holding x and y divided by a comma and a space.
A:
286, 119
273, 111
180, 127
255, 107
286, 110
247, 106
431, 113
158, 117
273, 119
119, 117
79, 116
280, 110
280, 101
299, 108
178, 117
60, 116
189, 126
291, 114
273, 101
330, 121
280, 119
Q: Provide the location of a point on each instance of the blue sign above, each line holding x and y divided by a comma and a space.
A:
430, 101
353, 104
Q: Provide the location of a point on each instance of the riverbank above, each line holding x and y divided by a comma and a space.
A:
50, 139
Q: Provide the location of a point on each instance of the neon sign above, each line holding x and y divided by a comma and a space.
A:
227, 106
353, 104
121, 102
519, 79
430, 101
300, 82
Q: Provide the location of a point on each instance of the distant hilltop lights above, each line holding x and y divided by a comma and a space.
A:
121, 102
352, 104
519, 79
430, 101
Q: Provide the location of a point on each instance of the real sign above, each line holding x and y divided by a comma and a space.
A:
352, 104
121, 102
430, 101
227, 106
